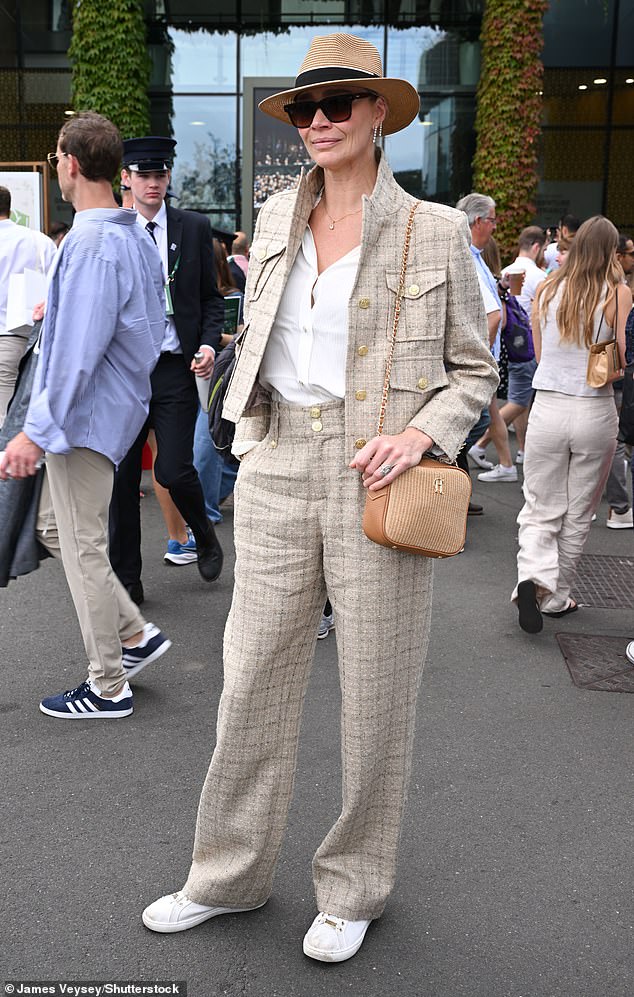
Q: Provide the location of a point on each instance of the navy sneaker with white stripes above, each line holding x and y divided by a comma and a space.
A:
86, 702
152, 646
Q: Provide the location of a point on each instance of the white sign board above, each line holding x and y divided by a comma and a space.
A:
26, 197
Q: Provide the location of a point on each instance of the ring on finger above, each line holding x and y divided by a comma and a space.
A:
385, 470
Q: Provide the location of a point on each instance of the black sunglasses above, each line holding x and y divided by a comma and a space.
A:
336, 108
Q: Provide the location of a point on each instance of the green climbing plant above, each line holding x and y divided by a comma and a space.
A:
508, 118
110, 63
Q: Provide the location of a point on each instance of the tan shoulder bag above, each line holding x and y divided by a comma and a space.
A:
424, 510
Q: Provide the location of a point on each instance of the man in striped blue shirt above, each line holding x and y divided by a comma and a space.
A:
101, 338
480, 212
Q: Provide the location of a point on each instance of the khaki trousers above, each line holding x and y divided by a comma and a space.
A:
298, 536
570, 443
11, 352
73, 523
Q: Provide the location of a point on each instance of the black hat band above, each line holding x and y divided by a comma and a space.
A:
328, 74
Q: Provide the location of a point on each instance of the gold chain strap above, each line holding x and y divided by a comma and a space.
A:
397, 313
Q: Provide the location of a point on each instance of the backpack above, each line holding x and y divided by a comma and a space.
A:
222, 431
517, 333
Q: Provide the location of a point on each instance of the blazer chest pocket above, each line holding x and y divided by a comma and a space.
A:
264, 259
424, 304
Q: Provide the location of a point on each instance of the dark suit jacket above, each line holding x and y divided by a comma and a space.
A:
198, 305
237, 273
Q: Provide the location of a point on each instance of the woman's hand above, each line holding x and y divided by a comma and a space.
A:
383, 458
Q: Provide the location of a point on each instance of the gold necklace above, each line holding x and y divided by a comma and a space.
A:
333, 221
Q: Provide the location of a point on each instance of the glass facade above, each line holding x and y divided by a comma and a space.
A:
211, 58
588, 121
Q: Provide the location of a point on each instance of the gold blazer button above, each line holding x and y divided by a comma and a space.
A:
260, 254
362, 351
273, 444
364, 303
317, 426
315, 412
422, 382
413, 289
359, 444
360, 395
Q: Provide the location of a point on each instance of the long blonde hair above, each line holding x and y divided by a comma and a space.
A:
590, 265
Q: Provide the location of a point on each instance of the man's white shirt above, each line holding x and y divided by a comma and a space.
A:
532, 280
20, 247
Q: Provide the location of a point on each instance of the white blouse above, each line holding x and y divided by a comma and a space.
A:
304, 362
563, 366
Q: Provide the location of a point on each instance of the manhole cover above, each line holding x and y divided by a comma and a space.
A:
605, 582
598, 663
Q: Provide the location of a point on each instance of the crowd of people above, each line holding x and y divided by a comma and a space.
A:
140, 303
267, 184
269, 155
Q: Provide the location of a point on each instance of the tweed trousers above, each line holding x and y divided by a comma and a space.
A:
298, 536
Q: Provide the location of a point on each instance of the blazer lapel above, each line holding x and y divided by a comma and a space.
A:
174, 238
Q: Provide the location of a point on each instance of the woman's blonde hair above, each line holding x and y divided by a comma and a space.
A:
590, 265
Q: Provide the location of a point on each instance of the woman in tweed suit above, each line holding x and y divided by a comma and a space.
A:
305, 396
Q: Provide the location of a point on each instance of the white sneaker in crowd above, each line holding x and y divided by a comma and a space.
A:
519, 457
499, 473
620, 520
478, 456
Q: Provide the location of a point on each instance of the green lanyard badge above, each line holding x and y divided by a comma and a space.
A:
169, 307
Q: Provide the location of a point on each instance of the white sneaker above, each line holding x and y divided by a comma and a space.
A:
629, 652
620, 520
499, 473
519, 457
331, 939
177, 912
478, 456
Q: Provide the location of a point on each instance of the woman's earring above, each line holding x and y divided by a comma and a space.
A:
377, 131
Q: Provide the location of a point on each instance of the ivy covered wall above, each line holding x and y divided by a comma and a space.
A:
508, 119
110, 63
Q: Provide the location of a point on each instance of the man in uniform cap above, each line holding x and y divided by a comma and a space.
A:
195, 314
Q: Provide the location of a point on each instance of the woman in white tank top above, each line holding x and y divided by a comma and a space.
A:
572, 427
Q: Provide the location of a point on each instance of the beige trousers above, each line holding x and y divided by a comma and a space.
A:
73, 523
298, 536
11, 352
570, 443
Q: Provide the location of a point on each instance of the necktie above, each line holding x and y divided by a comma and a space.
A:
150, 228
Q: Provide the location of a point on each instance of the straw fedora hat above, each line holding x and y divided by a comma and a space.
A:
345, 59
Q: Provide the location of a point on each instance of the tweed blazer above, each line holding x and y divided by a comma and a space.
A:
443, 373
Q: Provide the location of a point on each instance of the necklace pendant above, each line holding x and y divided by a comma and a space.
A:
331, 226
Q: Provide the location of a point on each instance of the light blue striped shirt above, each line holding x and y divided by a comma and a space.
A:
101, 338
488, 286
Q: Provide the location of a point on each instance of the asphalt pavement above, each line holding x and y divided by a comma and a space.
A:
516, 860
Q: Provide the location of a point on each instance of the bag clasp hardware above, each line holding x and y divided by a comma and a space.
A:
438, 486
